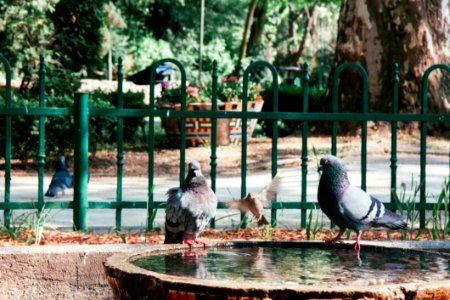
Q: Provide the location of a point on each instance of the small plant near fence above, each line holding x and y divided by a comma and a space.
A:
438, 223
440, 219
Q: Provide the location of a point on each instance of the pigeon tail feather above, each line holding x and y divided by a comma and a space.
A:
172, 237
391, 220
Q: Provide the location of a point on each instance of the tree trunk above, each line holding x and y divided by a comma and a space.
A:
248, 21
413, 33
255, 44
296, 55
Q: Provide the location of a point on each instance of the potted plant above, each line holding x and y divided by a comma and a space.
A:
198, 97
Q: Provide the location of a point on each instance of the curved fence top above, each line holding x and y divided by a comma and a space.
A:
153, 79
248, 70
424, 96
365, 81
8, 94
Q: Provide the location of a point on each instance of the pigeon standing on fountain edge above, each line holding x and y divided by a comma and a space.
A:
348, 206
189, 208
61, 180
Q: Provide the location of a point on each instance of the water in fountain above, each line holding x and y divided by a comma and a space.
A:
302, 266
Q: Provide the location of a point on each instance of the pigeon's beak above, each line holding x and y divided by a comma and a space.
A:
319, 168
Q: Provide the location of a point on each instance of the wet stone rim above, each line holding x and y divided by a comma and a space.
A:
129, 281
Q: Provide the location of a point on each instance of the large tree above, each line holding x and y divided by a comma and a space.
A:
78, 33
413, 33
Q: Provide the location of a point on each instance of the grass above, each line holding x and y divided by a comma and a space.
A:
406, 205
440, 220
438, 223
29, 221
313, 228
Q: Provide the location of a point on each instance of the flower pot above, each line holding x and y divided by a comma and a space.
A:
198, 130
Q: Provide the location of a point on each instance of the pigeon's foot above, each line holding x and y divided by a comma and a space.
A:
194, 242
189, 243
194, 253
333, 240
357, 246
336, 239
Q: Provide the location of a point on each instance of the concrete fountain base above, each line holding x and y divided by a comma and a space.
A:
77, 272
131, 282
57, 272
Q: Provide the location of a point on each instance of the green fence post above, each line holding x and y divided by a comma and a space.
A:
41, 155
8, 137
365, 110
81, 151
334, 110
273, 211
248, 70
244, 142
395, 80
151, 211
213, 156
305, 85
120, 147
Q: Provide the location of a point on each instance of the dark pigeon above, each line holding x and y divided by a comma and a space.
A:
255, 203
61, 180
348, 206
189, 208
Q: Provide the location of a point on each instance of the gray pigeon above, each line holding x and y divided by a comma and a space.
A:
348, 206
61, 180
189, 208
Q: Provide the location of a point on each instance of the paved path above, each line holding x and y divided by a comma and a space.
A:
24, 188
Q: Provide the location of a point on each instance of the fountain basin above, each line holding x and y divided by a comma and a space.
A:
260, 268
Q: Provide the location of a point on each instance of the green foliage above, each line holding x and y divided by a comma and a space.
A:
313, 228
108, 124
58, 129
441, 219
24, 32
290, 99
406, 205
78, 37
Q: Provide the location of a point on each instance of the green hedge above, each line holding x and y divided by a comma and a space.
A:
59, 129
290, 99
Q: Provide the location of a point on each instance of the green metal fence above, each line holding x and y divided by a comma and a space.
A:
81, 113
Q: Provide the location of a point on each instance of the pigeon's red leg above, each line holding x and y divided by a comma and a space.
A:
336, 239
189, 243
357, 245
200, 242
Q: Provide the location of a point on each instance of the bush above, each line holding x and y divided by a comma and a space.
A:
59, 129
290, 99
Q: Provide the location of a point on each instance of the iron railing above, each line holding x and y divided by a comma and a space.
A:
81, 113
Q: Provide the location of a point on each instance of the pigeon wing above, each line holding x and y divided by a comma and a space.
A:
269, 192
175, 217
240, 204
359, 209
200, 205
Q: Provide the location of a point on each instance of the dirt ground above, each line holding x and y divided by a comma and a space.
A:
51, 237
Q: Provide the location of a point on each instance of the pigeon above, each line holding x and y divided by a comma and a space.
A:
255, 203
189, 208
61, 180
349, 206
